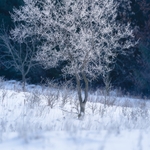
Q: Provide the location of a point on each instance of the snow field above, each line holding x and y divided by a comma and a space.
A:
46, 118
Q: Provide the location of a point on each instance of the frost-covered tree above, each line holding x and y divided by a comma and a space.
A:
19, 55
85, 34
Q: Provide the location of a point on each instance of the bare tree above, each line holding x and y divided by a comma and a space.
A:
85, 34
18, 55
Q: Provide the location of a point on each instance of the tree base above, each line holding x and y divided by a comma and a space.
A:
81, 116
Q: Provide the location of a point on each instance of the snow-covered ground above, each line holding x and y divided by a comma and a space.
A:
45, 118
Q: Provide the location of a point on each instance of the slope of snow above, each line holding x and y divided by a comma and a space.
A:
45, 118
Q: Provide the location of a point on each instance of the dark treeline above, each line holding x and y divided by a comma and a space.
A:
131, 72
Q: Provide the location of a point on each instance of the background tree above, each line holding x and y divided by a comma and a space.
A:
6, 6
17, 55
84, 34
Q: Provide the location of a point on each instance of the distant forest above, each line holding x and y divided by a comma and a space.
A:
131, 72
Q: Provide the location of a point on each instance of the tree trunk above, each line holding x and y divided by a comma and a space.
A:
107, 82
86, 87
82, 109
82, 102
23, 82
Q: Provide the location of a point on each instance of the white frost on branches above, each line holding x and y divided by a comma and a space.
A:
86, 33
